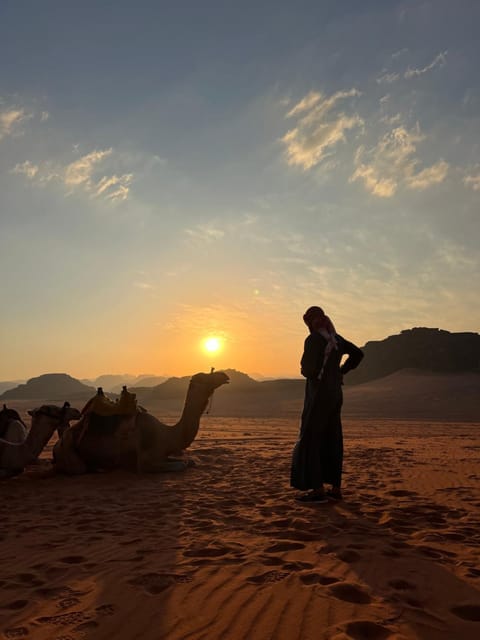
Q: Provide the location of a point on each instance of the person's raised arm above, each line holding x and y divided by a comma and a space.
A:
355, 356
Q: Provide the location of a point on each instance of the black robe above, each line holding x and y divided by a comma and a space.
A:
318, 454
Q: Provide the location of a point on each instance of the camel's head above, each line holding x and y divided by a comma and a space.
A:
209, 381
7, 416
61, 415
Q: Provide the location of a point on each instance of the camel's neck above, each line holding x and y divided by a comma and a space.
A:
195, 405
41, 431
17, 454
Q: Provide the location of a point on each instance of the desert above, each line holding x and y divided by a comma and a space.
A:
222, 550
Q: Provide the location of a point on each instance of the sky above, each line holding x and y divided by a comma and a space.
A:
171, 172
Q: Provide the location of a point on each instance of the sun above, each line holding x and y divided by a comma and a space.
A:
212, 344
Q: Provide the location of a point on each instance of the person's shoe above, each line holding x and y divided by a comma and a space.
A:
312, 497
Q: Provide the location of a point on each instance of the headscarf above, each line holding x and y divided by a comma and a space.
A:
318, 322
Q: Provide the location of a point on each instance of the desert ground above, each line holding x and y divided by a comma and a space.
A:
223, 551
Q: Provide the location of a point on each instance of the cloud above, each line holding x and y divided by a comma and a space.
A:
393, 162
472, 181
26, 168
205, 233
85, 174
10, 120
399, 53
431, 175
387, 78
80, 171
309, 101
439, 60
319, 128
114, 187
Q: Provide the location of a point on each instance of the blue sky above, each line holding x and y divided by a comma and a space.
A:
173, 171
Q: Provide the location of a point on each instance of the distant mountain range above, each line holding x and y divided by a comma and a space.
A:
422, 373
50, 386
113, 383
9, 384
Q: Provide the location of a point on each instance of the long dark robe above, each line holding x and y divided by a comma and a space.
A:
318, 454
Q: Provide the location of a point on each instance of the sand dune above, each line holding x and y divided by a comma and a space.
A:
223, 551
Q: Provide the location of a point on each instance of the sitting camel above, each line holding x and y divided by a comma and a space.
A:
12, 427
20, 447
136, 442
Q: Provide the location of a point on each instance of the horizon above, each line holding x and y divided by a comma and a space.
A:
203, 174
256, 375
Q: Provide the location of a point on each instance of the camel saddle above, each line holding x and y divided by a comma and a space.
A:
104, 416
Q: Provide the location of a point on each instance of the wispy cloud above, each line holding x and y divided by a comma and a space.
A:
86, 174
393, 162
26, 168
472, 181
399, 53
429, 176
320, 127
439, 60
11, 119
205, 233
387, 77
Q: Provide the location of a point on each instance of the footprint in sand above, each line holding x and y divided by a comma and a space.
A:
469, 612
29, 578
285, 546
348, 555
105, 610
86, 626
153, 583
66, 603
73, 617
268, 577
271, 561
206, 552
350, 593
16, 632
367, 630
297, 566
401, 585
312, 578
402, 493
16, 605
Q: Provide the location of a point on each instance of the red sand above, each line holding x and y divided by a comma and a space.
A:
222, 551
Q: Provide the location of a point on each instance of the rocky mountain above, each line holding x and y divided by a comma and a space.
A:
420, 348
113, 383
5, 385
54, 387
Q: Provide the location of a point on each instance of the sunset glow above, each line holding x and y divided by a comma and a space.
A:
209, 171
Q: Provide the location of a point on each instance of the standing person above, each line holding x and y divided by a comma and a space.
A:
318, 454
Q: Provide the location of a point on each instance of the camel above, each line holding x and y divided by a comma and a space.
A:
136, 442
19, 447
12, 427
